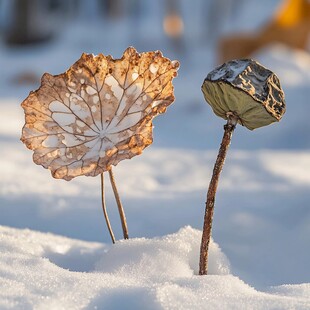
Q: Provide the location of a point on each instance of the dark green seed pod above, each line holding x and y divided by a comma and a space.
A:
246, 89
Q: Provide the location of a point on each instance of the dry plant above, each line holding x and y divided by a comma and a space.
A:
244, 92
97, 113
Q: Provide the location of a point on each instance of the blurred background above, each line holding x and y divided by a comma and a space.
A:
263, 200
49, 35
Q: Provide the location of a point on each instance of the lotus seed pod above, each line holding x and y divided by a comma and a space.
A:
246, 89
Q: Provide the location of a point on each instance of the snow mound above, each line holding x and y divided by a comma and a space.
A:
177, 253
44, 271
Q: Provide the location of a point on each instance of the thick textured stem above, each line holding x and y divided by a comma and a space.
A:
207, 225
119, 205
104, 209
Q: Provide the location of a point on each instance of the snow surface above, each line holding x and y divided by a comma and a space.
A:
45, 271
55, 249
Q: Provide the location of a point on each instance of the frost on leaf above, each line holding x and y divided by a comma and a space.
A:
98, 112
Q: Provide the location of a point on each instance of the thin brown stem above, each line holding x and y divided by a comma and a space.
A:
119, 205
207, 225
104, 209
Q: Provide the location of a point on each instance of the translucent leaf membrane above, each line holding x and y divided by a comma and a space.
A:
98, 112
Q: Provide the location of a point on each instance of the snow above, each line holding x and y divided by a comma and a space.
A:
55, 248
46, 271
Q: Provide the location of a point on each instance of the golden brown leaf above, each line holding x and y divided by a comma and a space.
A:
98, 112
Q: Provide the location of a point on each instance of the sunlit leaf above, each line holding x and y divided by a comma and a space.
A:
97, 113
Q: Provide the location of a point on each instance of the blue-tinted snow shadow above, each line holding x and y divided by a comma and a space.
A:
130, 298
77, 258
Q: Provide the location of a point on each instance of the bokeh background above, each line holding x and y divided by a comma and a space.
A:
263, 217
48, 36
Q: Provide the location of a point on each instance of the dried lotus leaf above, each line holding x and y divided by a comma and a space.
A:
98, 112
